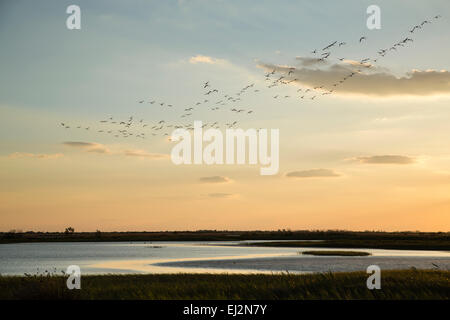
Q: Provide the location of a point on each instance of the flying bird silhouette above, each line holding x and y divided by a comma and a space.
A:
329, 46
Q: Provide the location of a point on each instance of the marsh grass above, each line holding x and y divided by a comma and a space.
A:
403, 284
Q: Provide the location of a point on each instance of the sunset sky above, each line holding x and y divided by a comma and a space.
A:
374, 155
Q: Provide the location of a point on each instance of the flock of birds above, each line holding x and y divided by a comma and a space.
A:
214, 99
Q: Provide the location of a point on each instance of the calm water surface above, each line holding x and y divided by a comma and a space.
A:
220, 256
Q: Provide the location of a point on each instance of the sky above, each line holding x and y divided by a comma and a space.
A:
373, 154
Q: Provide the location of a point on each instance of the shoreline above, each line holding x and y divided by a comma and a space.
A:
392, 240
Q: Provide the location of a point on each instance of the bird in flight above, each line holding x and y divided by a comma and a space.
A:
329, 46
414, 28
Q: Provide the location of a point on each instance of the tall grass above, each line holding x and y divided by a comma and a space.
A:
400, 284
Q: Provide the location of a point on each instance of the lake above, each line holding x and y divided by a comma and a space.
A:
194, 257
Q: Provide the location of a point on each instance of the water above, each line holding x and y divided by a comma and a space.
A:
174, 257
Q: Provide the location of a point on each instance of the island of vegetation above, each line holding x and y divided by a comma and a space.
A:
336, 253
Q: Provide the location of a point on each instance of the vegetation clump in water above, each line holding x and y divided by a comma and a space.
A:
336, 253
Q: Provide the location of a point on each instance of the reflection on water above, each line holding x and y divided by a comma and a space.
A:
170, 257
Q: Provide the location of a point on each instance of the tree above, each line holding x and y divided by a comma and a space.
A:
69, 230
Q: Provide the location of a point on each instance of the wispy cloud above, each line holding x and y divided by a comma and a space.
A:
205, 59
369, 80
100, 148
87, 146
312, 173
79, 144
17, 155
214, 179
310, 61
144, 154
386, 159
222, 195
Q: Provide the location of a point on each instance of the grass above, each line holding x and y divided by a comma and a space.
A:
336, 253
403, 284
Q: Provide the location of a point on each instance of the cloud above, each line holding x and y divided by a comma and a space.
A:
373, 81
221, 195
386, 159
312, 173
99, 148
87, 146
309, 61
78, 144
205, 59
17, 155
358, 63
214, 179
144, 154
